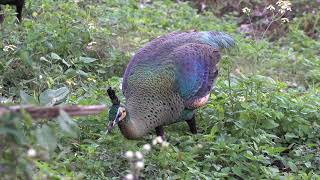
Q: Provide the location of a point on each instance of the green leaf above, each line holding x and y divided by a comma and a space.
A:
19, 138
70, 73
55, 56
82, 73
26, 98
46, 138
87, 59
270, 124
52, 97
275, 150
290, 136
308, 164
66, 123
292, 166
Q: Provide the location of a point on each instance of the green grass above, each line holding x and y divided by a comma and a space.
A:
262, 120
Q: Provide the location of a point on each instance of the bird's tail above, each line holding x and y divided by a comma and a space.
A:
218, 40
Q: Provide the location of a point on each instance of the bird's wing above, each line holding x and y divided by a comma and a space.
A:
196, 72
147, 54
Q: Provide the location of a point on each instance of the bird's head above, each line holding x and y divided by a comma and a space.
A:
117, 112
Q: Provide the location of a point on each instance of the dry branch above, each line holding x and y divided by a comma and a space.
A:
51, 112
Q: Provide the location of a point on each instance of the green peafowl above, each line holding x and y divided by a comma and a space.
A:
19, 5
166, 81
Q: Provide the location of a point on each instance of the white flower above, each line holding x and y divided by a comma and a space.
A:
154, 142
140, 165
9, 48
271, 8
91, 26
32, 152
165, 144
199, 146
284, 20
129, 177
138, 155
242, 98
159, 139
129, 154
92, 43
284, 6
147, 147
246, 10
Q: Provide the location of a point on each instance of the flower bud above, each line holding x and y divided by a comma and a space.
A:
138, 155
129, 154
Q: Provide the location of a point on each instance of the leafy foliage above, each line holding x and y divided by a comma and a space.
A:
262, 120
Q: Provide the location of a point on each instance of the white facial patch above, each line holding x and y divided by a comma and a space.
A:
123, 112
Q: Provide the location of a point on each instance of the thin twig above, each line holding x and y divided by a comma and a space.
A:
274, 19
51, 112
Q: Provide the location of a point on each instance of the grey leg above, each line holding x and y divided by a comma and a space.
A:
160, 131
192, 125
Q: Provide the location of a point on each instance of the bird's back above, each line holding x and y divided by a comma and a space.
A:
170, 74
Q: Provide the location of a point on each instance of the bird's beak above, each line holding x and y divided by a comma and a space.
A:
113, 123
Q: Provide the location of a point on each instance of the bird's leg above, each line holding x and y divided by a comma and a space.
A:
192, 125
160, 131
19, 11
1, 16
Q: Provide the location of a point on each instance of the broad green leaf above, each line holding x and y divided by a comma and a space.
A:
270, 124
292, 166
275, 150
290, 136
82, 73
87, 59
55, 56
66, 123
70, 73
52, 97
26, 98
46, 138
15, 133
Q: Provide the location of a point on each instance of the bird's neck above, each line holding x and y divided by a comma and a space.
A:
132, 129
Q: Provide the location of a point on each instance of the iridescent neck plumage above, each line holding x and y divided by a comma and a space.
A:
132, 128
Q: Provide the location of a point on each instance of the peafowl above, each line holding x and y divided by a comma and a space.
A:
166, 81
19, 5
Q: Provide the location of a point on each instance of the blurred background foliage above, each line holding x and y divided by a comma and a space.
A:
262, 121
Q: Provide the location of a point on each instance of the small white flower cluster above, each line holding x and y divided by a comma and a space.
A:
91, 26
91, 46
159, 140
242, 98
284, 6
136, 159
9, 48
271, 7
246, 10
284, 20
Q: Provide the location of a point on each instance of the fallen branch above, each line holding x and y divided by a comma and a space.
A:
51, 112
